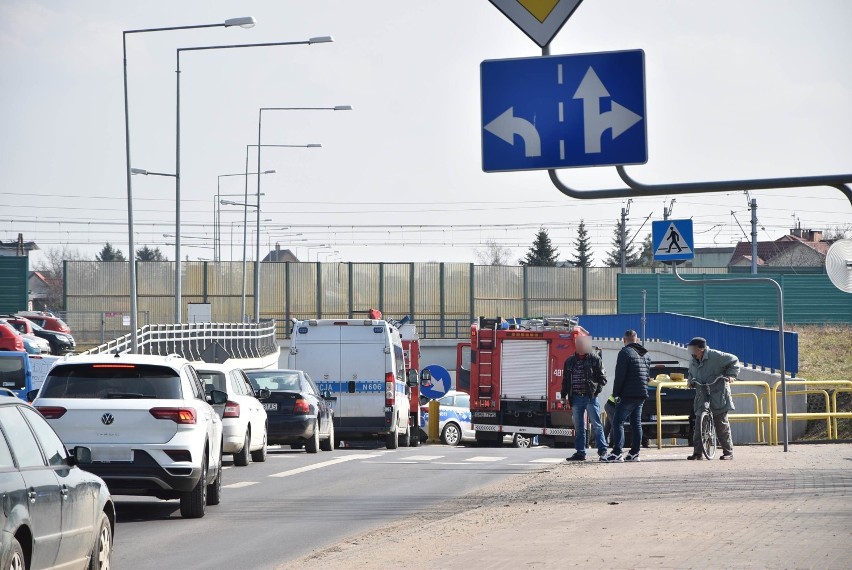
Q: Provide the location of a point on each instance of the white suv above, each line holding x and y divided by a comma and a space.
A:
244, 420
150, 425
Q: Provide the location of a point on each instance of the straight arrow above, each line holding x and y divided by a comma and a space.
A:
507, 125
619, 118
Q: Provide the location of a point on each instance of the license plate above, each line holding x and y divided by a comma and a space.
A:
112, 455
271, 407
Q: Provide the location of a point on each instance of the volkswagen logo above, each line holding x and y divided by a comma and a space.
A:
107, 419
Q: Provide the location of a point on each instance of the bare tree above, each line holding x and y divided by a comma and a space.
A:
840, 231
493, 254
52, 268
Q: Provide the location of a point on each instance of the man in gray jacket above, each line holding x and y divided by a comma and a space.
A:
705, 366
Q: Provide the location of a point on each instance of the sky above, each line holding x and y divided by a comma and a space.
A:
734, 88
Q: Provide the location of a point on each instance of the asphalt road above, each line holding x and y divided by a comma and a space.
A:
295, 503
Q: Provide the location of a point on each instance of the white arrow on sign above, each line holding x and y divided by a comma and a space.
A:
619, 119
507, 125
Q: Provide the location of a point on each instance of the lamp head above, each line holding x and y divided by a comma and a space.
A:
244, 22
343, 107
268, 172
314, 145
139, 171
321, 40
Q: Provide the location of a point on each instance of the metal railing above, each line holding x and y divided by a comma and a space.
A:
831, 414
95, 327
240, 340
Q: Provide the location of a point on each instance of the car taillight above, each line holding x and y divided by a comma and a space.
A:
390, 389
232, 410
301, 406
51, 412
177, 415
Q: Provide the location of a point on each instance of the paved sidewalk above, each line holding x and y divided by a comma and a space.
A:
765, 509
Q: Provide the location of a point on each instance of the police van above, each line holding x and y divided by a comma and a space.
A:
361, 363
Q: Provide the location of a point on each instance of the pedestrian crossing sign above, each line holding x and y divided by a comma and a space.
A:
672, 240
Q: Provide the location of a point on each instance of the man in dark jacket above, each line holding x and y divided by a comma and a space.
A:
630, 389
583, 378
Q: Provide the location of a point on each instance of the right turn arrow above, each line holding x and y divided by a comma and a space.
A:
619, 118
507, 125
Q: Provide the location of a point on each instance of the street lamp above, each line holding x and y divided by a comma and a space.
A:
217, 215
242, 22
245, 212
310, 41
259, 146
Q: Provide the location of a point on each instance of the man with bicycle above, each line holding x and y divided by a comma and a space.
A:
705, 366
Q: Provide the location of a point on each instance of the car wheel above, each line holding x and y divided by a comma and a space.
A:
313, 444
392, 440
241, 459
102, 550
405, 439
16, 557
259, 456
193, 504
328, 444
451, 435
521, 441
214, 489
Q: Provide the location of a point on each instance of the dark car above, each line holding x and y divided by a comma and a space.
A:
674, 402
54, 514
297, 412
60, 342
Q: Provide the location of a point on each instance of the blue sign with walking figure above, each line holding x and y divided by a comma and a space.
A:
672, 240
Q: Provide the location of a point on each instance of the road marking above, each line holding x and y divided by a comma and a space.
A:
548, 460
227, 467
484, 459
425, 457
240, 485
450, 463
322, 464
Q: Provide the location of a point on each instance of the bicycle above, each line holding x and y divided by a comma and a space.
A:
704, 420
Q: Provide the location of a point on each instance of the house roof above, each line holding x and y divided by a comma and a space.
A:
280, 255
767, 250
12, 245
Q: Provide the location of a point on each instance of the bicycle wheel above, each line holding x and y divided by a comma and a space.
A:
708, 435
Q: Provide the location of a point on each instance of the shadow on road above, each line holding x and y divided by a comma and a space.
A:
143, 511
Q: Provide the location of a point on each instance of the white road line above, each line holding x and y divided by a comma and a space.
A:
450, 463
393, 462
484, 459
227, 467
549, 460
425, 457
322, 464
240, 485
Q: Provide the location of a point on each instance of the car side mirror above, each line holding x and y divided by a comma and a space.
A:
413, 378
262, 394
31, 395
80, 455
217, 397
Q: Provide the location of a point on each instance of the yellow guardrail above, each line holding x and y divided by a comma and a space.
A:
831, 415
762, 419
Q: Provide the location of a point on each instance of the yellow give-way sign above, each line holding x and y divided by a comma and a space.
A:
541, 20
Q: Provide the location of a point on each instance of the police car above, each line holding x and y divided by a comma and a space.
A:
454, 426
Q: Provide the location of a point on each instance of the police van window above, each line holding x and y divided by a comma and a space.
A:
463, 401
400, 361
446, 401
21, 438
5, 455
52, 446
12, 373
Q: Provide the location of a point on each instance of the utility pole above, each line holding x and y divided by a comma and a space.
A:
668, 211
754, 236
624, 213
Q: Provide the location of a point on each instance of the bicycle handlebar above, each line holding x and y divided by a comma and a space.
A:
697, 383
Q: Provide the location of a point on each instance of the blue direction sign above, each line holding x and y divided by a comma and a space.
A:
563, 111
434, 381
672, 240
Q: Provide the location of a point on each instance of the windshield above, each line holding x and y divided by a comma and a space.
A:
213, 380
106, 381
36, 326
275, 380
12, 374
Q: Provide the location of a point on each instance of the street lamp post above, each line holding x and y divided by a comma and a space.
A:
311, 41
217, 215
243, 22
259, 146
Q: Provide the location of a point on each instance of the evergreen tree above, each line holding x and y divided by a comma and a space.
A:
613, 257
145, 253
582, 247
646, 255
109, 253
541, 252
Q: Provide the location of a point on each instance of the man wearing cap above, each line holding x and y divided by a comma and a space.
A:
705, 366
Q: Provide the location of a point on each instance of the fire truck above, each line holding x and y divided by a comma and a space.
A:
516, 380
411, 353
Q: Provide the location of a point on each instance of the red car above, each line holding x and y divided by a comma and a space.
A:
46, 321
10, 339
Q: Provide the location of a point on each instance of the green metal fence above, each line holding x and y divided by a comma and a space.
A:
14, 284
808, 299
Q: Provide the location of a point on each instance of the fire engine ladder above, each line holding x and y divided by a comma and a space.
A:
485, 359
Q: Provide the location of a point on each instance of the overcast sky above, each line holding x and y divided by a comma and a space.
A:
735, 89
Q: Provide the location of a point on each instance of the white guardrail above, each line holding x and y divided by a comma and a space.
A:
245, 341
